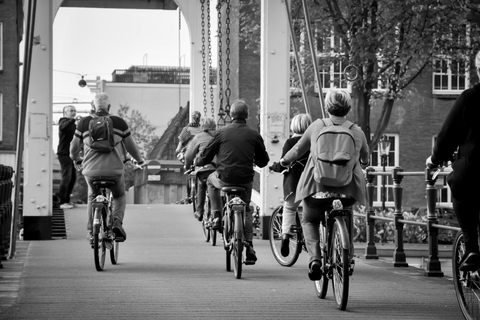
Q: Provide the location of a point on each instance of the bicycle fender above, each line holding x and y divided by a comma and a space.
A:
238, 224
342, 228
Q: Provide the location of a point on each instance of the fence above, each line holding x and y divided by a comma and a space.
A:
6, 206
433, 266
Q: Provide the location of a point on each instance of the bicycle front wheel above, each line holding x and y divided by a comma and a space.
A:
321, 285
340, 268
205, 227
466, 283
275, 238
114, 252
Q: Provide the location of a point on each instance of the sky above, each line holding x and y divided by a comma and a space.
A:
95, 42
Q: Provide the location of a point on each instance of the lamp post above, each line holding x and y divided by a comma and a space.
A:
384, 150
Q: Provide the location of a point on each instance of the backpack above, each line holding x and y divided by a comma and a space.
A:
101, 134
334, 154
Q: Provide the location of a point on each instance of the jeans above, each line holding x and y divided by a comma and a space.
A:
214, 185
69, 176
202, 190
313, 215
467, 214
289, 211
118, 193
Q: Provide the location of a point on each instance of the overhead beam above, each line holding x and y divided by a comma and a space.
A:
121, 4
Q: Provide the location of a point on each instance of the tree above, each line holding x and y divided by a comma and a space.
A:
143, 133
390, 42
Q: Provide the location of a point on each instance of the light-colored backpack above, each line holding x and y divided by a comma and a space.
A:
334, 154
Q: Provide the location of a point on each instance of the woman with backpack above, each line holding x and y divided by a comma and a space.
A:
313, 193
291, 176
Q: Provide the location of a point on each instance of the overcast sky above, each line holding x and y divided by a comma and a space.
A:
95, 42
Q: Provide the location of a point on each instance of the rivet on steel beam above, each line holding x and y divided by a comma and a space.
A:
32, 200
38, 184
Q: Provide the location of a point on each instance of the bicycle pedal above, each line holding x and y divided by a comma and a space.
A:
295, 229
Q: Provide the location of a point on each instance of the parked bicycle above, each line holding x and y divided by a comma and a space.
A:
337, 253
209, 234
103, 235
233, 229
297, 242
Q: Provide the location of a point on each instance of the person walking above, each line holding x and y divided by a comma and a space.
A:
108, 165
66, 130
237, 148
460, 133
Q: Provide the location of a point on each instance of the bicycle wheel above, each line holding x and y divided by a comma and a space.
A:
340, 268
205, 227
193, 192
237, 250
321, 285
275, 238
466, 283
99, 245
227, 236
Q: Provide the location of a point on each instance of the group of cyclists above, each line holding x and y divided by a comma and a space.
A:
226, 156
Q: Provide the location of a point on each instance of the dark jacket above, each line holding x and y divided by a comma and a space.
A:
66, 130
195, 147
461, 130
237, 148
290, 178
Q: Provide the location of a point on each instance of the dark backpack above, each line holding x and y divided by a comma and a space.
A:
334, 154
101, 134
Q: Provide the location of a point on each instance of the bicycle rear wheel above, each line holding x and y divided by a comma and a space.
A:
466, 283
321, 285
275, 238
98, 243
340, 268
114, 252
227, 238
205, 227
237, 257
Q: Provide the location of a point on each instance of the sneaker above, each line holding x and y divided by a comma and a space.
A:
315, 270
216, 221
120, 234
471, 262
285, 248
198, 215
251, 257
66, 206
90, 237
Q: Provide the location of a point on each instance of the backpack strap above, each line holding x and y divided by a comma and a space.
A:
347, 124
327, 122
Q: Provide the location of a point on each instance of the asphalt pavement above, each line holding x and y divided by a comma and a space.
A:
167, 271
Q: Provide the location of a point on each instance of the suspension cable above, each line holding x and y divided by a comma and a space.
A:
210, 69
204, 62
221, 113
227, 62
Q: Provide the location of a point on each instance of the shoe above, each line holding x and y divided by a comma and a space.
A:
90, 238
72, 204
66, 206
120, 234
216, 221
198, 215
285, 248
251, 257
315, 270
471, 262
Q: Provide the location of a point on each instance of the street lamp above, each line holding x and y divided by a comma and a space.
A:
384, 150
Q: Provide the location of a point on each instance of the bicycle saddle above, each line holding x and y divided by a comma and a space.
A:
103, 183
235, 190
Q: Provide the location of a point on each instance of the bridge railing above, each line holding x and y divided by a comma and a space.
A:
433, 266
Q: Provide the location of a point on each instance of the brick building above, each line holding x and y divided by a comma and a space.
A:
11, 29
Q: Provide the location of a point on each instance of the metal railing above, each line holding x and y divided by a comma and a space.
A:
6, 206
165, 75
433, 266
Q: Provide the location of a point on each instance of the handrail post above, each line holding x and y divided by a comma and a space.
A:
399, 259
370, 249
433, 267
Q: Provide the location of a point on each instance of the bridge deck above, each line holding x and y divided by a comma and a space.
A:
167, 271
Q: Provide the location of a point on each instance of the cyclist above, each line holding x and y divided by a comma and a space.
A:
291, 176
106, 165
187, 134
316, 196
237, 148
460, 132
195, 147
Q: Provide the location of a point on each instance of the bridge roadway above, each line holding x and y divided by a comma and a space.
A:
167, 271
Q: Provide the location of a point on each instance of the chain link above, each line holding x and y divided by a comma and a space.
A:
204, 63
221, 113
210, 61
227, 61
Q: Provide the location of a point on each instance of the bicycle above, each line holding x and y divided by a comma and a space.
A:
103, 235
466, 283
337, 253
233, 229
209, 234
297, 241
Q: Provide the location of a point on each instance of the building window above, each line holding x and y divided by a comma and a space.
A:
444, 194
450, 76
393, 160
1, 46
